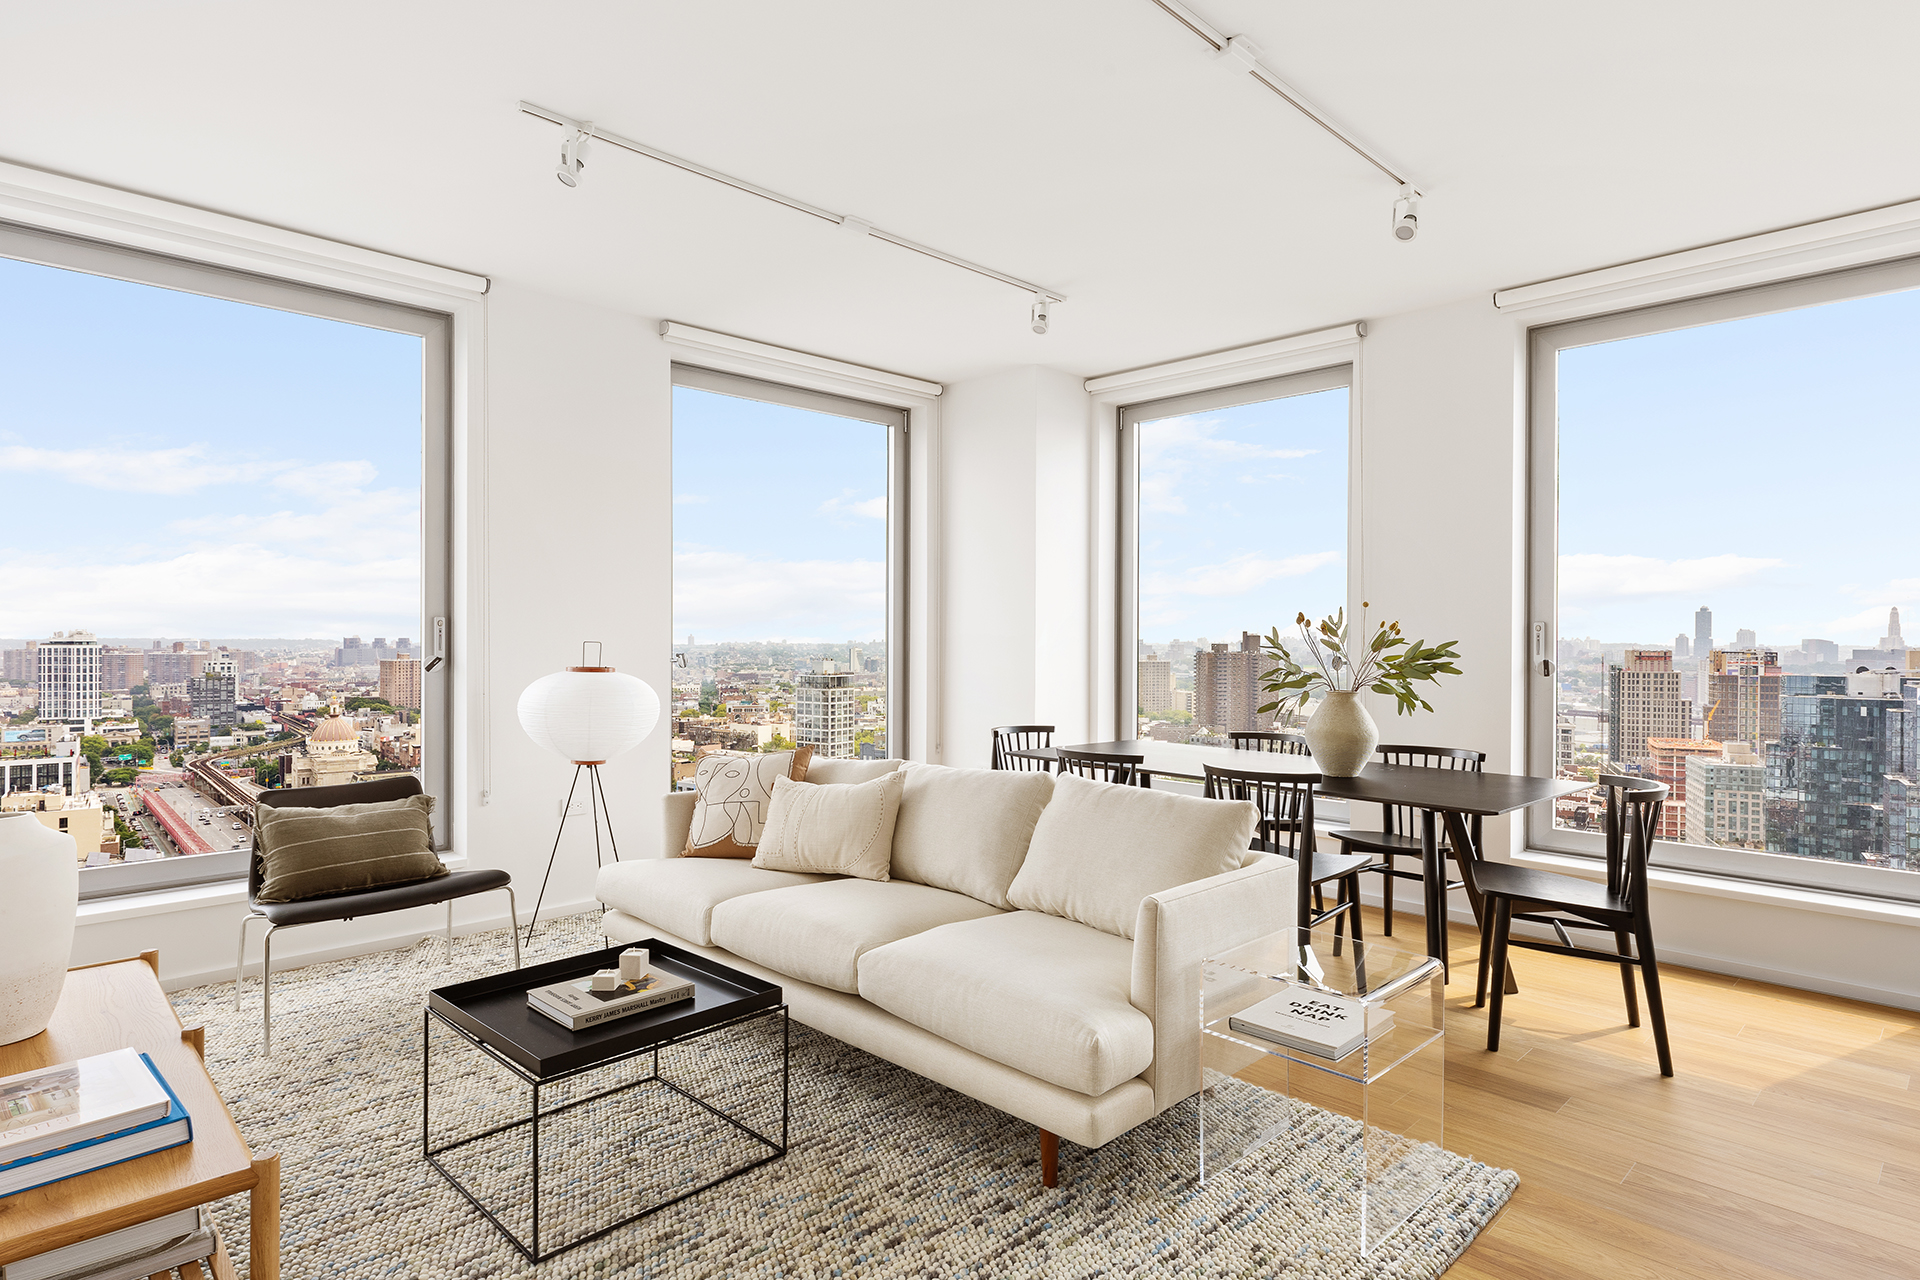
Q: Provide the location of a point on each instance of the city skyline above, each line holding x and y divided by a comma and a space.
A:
234, 448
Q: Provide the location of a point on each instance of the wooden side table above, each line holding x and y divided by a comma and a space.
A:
120, 1005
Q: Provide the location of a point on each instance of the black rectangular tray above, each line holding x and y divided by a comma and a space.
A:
494, 1011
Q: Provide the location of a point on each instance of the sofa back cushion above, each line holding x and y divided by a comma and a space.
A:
1100, 848
830, 772
966, 829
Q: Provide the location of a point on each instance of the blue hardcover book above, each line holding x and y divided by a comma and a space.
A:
173, 1129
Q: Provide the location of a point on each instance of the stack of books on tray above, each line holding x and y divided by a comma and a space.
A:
66, 1120
1312, 1021
131, 1253
576, 1006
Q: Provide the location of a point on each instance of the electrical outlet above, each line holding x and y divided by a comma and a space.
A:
578, 809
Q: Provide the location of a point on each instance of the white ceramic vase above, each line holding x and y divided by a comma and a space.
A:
1341, 735
40, 872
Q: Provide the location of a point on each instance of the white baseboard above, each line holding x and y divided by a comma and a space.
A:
286, 957
1459, 913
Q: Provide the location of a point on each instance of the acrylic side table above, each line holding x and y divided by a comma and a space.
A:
1386, 1158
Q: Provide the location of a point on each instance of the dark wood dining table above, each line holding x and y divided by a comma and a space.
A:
1440, 795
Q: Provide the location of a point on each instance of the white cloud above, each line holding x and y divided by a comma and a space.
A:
1237, 576
726, 593
690, 499
1171, 448
846, 504
1601, 577
176, 471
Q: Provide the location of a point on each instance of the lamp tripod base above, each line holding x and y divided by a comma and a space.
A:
597, 806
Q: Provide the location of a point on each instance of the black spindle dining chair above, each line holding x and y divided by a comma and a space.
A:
1009, 738
1124, 770
1399, 836
1562, 902
1287, 744
1285, 801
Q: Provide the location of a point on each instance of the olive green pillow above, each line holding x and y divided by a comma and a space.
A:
313, 853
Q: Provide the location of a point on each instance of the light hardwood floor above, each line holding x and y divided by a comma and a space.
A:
1788, 1143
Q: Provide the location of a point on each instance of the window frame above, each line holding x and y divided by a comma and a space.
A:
435, 329
1544, 343
899, 424
1328, 377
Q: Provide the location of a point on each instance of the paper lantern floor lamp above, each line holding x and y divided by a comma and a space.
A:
589, 715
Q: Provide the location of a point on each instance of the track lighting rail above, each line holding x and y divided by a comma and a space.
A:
1241, 52
849, 222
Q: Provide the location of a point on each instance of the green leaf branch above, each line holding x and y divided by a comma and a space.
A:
1387, 662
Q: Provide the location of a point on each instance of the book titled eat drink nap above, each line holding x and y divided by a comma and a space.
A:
1316, 1022
577, 1006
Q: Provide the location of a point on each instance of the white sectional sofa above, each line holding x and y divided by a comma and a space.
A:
1081, 1030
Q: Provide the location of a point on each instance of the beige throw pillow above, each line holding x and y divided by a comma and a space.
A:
1100, 848
842, 830
731, 793
967, 829
317, 852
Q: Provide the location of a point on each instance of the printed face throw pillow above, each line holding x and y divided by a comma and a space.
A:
731, 795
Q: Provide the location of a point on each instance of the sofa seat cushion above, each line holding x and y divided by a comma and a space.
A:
679, 894
966, 829
1043, 995
818, 932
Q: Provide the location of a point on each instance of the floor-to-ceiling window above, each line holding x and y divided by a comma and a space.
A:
1233, 522
1723, 556
788, 570
224, 550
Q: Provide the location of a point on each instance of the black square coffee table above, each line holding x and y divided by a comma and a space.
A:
642, 1112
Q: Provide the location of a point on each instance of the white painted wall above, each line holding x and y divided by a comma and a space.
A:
568, 538
1017, 509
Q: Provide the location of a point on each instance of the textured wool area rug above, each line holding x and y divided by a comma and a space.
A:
887, 1174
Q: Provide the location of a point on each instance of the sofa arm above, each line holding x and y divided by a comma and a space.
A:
677, 822
1178, 928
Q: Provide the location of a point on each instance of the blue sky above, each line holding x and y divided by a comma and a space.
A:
779, 522
187, 467
1762, 467
1243, 518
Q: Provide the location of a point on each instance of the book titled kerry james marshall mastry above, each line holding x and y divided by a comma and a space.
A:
576, 1005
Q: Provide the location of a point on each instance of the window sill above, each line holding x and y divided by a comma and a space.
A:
1769, 894
191, 897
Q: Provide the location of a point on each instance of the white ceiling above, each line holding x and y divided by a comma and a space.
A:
1092, 146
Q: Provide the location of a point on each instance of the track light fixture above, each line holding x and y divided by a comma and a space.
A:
1406, 215
573, 156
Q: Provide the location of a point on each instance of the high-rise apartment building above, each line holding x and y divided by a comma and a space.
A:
1841, 763
1743, 696
1226, 686
1744, 638
1643, 703
1670, 757
400, 682
352, 653
69, 680
1820, 650
211, 695
1681, 647
177, 665
122, 669
21, 665
1726, 799
823, 709
1702, 631
1156, 685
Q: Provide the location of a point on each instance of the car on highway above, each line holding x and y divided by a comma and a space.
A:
236, 826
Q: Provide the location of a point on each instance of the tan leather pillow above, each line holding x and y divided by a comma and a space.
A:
841, 830
731, 794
